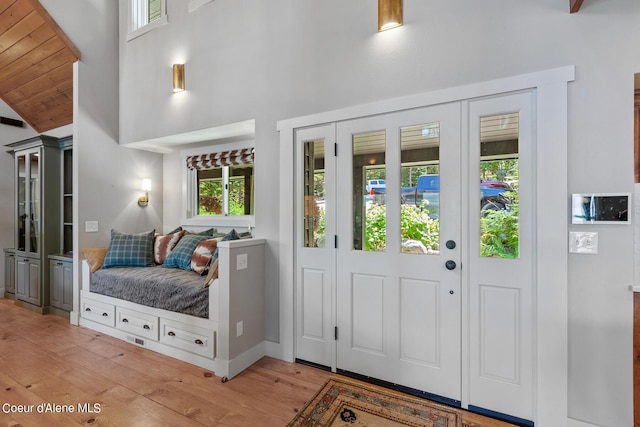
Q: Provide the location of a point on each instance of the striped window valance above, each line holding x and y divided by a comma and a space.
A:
242, 156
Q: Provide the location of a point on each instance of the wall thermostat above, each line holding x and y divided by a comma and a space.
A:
600, 208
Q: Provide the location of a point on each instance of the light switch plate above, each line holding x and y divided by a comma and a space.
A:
583, 242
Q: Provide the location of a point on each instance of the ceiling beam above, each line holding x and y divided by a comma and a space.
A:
574, 5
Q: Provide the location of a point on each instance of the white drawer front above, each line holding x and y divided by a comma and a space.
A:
187, 337
137, 323
99, 312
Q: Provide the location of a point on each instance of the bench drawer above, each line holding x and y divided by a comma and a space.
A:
141, 324
99, 312
187, 337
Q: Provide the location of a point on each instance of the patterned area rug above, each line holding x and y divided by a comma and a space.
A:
342, 402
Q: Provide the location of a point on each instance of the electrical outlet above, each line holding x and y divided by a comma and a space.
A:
583, 242
91, 226
241, 262
239, 328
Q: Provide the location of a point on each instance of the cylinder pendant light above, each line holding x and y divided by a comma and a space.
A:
178, 78
389, 14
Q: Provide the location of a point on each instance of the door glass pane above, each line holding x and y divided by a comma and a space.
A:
22, 207
420, 195
369, 191
34, 202
314, 191
499, 175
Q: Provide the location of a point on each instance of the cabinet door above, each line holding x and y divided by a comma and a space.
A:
28, 280
55, 279
61, 284
34, 296
22, 278
10, 273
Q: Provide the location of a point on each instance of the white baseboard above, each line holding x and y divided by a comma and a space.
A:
571, 422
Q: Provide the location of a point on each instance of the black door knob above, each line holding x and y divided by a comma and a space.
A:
451, 265
450, 244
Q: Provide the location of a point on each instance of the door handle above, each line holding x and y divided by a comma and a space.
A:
451, 244
450, 264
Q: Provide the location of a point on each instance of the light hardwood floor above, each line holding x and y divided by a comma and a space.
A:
43, 359
46, 361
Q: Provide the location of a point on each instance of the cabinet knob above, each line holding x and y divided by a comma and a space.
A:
171, 334
87, 309
146, 327
125, 320
199, 342
105, 314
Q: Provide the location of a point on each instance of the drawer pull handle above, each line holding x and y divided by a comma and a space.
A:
199, 342
125, 320
105, 314
171, 334
146, 327
87, 309
59, 263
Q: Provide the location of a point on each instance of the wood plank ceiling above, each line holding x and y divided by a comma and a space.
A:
36, 65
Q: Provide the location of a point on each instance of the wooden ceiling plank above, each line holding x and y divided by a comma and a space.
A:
26, 45
36, 65
19, 31
34, 59
54, 26
42, 83
22, 101
16, 79
14, 14
6, 5
574, 5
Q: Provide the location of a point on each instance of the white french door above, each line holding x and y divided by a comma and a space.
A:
427, 282
398, 306
316, 213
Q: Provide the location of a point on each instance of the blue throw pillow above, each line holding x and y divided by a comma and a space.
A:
180, 256
129, 250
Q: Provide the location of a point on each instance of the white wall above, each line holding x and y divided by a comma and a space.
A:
107, 176
285, 58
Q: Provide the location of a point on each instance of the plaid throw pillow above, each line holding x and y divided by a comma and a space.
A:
180, 256
129, 250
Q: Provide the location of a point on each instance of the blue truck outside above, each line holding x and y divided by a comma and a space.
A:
426, 194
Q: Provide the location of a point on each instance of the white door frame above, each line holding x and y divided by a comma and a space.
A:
551, 271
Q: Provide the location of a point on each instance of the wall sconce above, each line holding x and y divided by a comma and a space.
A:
389, 14
178, 78
146, 187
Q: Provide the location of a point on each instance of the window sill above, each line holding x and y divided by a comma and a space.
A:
195, 4
240, 222
145, 29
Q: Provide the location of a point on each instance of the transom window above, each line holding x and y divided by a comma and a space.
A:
145, 15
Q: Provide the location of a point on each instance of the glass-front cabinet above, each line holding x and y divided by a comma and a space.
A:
37, 217
28, 202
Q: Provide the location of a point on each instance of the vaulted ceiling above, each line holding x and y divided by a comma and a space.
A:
36, 65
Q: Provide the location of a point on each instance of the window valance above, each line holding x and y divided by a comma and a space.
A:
242, 156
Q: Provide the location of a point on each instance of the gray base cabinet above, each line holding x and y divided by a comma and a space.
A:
9, 273
28, 280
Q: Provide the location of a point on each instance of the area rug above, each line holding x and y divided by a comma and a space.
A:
343, 402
